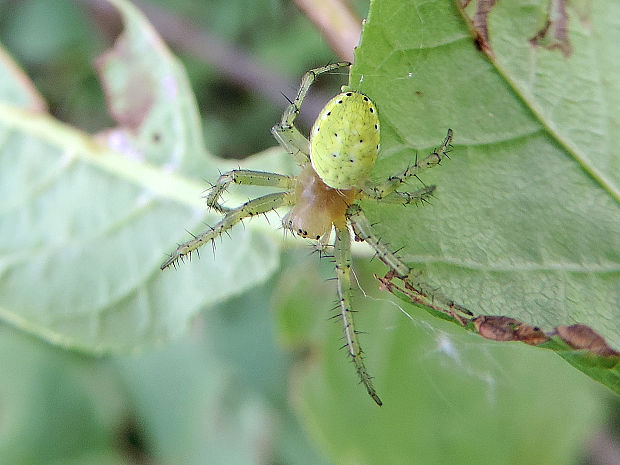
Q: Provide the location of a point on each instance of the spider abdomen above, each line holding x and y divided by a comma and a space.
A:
344, 141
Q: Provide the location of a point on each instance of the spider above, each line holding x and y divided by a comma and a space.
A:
335, 174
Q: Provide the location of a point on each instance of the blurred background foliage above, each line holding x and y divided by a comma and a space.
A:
60, 407
275, 43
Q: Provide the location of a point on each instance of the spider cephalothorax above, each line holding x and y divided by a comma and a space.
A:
317, 206
336, 164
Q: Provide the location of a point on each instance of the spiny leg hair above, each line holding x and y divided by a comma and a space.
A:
380, 191
249, 209
404, 198
247, 177
342, 257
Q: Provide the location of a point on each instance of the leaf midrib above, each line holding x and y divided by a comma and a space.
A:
605, 183
79, 145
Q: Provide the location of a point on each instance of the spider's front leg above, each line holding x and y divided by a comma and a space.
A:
249, 209
285, 132
383, 190
247, 177
342, 255
428, 295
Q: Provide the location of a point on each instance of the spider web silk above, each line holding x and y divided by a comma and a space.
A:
447, 352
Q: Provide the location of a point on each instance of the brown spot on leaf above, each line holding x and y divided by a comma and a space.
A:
554, 34
503, 328
479, 23
128, 90
583, 337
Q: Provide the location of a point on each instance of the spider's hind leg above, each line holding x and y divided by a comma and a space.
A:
426, 294
342, 257
249, 209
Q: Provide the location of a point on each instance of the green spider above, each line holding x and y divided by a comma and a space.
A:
336, 164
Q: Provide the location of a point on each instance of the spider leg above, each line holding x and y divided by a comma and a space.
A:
435, 158
249, 177
342, 256
249, 209
293, 141
428, 295
285, 132
402, 198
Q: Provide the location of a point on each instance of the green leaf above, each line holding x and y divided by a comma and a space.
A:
58, 407
219, 395
519, 227
180, 390
526, 219
83, 229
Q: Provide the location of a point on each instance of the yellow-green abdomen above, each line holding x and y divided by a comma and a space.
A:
344, 141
